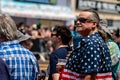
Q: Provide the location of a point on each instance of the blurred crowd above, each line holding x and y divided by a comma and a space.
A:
39, 41
89, 49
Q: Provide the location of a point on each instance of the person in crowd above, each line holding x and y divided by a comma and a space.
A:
91, 61
21, 26
113, 47
35, 40
116, 36
24, 40
76, 37
4, 71
21, 62
60, 37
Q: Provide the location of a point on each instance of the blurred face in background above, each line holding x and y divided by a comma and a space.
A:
71, 27
54, 38
27, 44
116, 38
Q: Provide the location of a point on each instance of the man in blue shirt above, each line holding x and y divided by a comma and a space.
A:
21, 62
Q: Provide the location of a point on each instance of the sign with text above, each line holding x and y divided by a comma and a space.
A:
98, 5
40, 1
32, 10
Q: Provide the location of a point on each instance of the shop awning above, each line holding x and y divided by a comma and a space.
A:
40, 11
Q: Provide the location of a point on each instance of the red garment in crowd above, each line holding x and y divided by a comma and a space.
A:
70, 75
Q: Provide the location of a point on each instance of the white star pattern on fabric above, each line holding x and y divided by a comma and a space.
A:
88, 58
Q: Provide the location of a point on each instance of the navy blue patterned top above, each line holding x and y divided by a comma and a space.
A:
92, 56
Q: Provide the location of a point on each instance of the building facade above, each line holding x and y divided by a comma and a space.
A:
107, 9
48, 12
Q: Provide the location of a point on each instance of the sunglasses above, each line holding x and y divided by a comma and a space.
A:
83, 20
53, 35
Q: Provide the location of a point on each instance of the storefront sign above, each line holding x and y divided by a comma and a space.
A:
32, 10
98, 5
40, 1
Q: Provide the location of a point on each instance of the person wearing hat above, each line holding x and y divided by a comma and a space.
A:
24, 40
21, 36
113, 47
